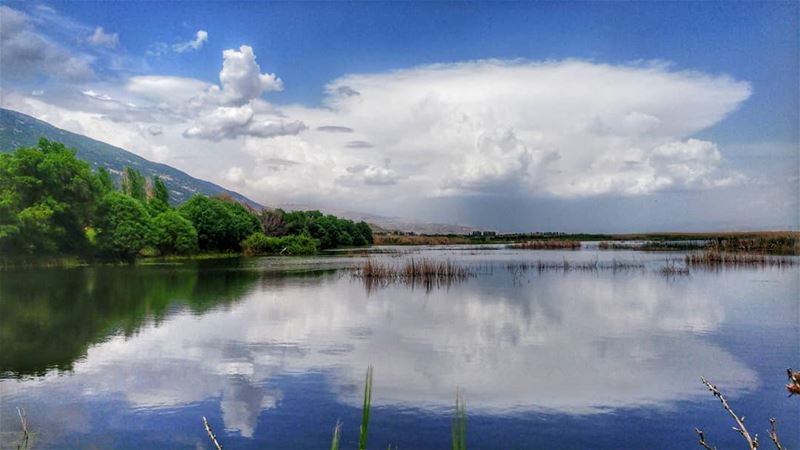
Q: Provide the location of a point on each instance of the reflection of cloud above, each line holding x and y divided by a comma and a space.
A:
578, 344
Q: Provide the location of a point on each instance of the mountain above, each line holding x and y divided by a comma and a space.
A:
20, 130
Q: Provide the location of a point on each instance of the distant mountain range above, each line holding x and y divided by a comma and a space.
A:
20, 130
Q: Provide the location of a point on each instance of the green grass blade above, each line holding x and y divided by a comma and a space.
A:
337, 435
460, 423
362, 439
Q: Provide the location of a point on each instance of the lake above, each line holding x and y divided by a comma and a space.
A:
273, 351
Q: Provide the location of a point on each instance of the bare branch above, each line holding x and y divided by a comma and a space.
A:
773, 434
752, 442
211, 434
703, 442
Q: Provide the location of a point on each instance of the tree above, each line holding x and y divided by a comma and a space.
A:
159, 200
134, 184
220, 225
105, 181
123, 226
173, 234
366, 232
47, 199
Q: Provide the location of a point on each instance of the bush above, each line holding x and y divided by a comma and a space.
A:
123, 226
261, 244
174, 234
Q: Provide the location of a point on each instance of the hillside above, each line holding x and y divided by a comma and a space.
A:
20, 130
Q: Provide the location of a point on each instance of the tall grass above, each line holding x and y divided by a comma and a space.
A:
337, 435
713, 258
362, 437
788, 244
460, 423
547, 245
425, 272
580, 266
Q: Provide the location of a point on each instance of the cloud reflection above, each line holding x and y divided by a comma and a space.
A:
576, 344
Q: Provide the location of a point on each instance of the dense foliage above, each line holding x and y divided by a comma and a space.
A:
51, 203
221, 225
261, 244
47, 198
330, 230
173, 234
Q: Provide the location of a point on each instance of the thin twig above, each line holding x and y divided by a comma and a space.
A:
23, 443
211, 434
773, 434
703, 442
752, 442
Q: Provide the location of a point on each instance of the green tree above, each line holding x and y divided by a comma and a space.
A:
123, 226
173, 234
47, 199
159, 200
134, 184
221, 225
105, 181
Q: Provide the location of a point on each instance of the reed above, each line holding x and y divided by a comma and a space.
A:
779, 244
459, 429
337, 435
547, 244
413, 271
362, 436
579, 266
672, 268
716, 259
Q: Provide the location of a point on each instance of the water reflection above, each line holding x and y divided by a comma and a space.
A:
169, 338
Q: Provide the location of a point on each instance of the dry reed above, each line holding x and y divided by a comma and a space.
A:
715, 259
547, 245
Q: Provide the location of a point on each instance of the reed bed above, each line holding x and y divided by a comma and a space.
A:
652, 246
673, 269
788, 244
580, 266
547, 244
425, 272
715, 259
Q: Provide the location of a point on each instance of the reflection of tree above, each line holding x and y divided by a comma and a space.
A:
51, 317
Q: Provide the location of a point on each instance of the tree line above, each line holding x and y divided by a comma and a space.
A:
52, 203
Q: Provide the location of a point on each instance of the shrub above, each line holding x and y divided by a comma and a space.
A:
174, 234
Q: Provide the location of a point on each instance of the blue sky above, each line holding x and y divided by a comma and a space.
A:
312, 46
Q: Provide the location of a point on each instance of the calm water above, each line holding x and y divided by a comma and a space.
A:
273, 352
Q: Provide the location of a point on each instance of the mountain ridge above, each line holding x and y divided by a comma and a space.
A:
21, 130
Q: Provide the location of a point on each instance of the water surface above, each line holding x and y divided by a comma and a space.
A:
273, 351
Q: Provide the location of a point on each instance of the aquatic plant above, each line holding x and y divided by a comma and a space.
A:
672, 268
580, 266
362, 435
459, 429
547, 244
425, 272
714, 258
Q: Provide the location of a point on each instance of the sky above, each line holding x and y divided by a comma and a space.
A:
531, 116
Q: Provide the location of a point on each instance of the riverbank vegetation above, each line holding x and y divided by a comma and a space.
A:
54, 207
716, 259
548, 244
